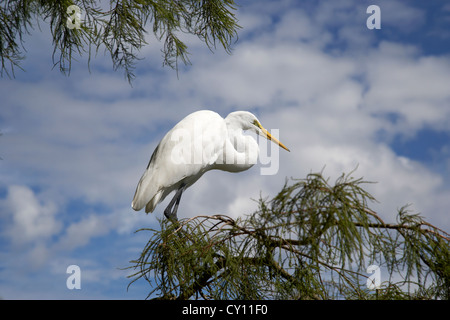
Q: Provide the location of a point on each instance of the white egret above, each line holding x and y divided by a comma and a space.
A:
200, 142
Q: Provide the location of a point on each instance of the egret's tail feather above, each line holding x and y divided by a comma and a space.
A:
145, 195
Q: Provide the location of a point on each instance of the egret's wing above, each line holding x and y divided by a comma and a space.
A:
145, 189
187, 151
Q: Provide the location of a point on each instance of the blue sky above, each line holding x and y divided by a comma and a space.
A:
342, 96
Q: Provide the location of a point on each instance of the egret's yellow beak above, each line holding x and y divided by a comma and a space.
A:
268, 136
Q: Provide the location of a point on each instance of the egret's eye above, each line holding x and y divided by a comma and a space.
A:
256, 123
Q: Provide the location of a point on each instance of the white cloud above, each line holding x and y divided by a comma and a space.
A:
413, 86
80, 233
31, 220
402, 16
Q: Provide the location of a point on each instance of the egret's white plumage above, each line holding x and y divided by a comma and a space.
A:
200, 142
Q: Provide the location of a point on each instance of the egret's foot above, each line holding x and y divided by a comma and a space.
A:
171, 215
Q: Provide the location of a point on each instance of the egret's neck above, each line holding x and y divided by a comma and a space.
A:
240, 152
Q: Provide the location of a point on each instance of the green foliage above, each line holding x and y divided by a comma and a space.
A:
120, 29
312, 241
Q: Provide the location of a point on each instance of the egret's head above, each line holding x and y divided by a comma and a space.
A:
248, 121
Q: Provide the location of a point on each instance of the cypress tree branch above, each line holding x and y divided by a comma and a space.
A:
121, 30
311, 241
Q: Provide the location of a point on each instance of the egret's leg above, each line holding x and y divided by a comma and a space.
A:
171, 211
